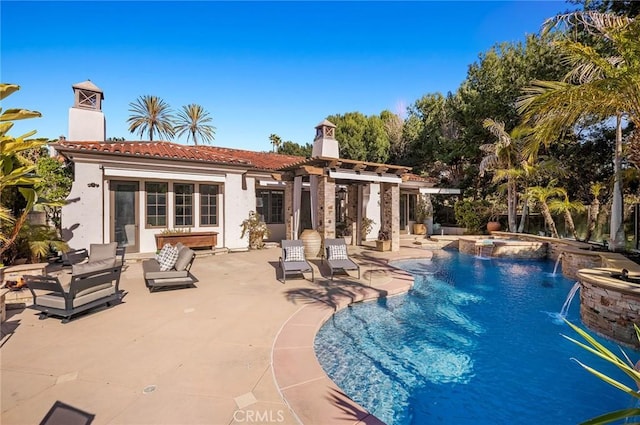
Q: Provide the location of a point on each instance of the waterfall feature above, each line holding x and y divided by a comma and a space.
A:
484, 248
567, 303
555, 268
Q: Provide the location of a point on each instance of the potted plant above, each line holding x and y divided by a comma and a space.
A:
256, 229
345, 230
423, 212
365, 227
383, 243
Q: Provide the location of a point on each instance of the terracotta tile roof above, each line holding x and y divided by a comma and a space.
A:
168, 150
416, 178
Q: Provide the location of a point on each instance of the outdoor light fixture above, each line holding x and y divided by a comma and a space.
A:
342, 194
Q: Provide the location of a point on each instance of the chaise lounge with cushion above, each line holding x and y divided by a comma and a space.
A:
170, 269
337, 258
293, 260
92, 284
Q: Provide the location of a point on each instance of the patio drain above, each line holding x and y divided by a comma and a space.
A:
149, 389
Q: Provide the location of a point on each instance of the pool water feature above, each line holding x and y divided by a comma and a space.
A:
474, 342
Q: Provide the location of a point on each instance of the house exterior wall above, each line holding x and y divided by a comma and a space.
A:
237, 206
86, 124
82, 216
87, 217
371, 207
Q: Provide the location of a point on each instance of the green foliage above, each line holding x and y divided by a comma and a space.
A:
291, 148
256, 229
177, 231
424, 209
194, 121
625, 365
55, 186
41, 240
361, 138
472, 214
16, 172
366, 226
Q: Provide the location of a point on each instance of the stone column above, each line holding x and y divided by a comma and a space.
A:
390, 197
288, 209
326, 207
352, 211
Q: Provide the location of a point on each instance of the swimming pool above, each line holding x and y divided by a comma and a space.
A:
475, 341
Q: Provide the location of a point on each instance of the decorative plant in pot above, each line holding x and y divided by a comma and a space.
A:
424, 210
365, 227
345, 230
383, 243
256, 229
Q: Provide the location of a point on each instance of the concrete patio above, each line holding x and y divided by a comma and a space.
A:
225, 352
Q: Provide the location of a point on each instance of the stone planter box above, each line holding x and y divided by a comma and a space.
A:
383, 245
190, 239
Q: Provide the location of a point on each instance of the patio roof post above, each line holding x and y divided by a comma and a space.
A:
391, 213
313, 199
326, 211
297, 198
288, 210
353, 201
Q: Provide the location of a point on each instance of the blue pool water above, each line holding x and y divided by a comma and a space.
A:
474, 342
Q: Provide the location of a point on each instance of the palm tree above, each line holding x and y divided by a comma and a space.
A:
276, 141
504, 157
565, 206
194, 120
594, 209
151, 115
540, 195
602, 84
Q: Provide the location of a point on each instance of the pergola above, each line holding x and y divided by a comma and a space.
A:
323, 174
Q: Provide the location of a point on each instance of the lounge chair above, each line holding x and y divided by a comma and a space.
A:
160, 274
337, 258
293, 260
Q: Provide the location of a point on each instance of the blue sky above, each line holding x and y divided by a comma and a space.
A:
257, 67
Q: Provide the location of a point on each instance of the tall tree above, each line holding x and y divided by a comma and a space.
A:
504, 157
292, 148
565, 206
151, 115
361, 138
276, 141
194, 120
594, 209
541, 196
604, 84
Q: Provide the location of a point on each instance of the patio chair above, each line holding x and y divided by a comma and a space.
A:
337, 258
293, 260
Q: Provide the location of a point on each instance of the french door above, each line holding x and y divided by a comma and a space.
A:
124, 214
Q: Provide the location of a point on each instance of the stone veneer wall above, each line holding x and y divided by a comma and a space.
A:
391, 213
610, 313
574, 260
327, 205
506, 249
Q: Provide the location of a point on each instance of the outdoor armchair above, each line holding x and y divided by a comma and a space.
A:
293, 260
92, 285
337, 258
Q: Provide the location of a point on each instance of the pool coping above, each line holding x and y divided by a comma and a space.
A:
310, 394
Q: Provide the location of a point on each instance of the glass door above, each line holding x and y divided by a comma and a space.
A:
124, 214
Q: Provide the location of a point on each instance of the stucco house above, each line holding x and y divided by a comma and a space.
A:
129, 191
